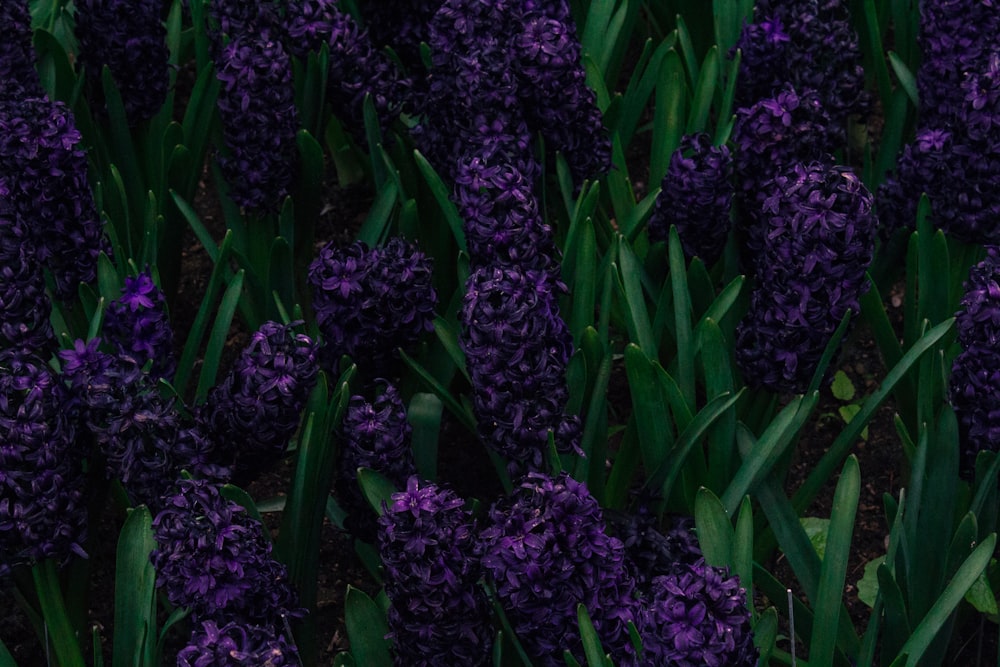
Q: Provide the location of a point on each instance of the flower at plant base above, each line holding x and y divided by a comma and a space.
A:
43, 504
127, 37
25, 309
237, 644
371, 301
374, 435
517, 348
438, 613
138, 325
809, 44
251, 416
259, 120
545, 551
18, 78
45, 176
697, 617
696, 196
355, 67
818, 242
769, 137
142, 435
214, 559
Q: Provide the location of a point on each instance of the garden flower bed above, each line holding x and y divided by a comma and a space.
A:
465, 332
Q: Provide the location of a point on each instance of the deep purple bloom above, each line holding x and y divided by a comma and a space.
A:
237, 18
978, 319
545, 551
214, 558
18, 78
251, 416
237, 644
138, 325
43, 170
402, 25
43, 508
697, 617
371, 301
818, 242
144, 438
808, 44
374, 435
260, 120
438, 614
650, 551
24, 304
696, 196
127, 37
517, 347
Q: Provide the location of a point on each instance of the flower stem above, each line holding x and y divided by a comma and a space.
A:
57, 623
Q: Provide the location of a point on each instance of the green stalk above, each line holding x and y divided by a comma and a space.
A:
57, 623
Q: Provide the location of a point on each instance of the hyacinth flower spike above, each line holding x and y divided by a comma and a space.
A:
137, 324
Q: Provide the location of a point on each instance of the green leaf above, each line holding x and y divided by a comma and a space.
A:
60, 631
217, 339
592, 649
376, 487
6, 659
704, 92
135, 591
630, 284
424, 415
842, 387
442, 197
715, 531
906, 79
366, 629
671, 93
682, 318
981, 596
816, 528
868, 583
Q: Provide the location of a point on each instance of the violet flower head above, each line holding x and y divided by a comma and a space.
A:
236, 18
138, 325
696, 196
978, 319
374, 435
18, 78
214, 559
46, 179
237, 644
43, 505
401, 24
697, 617
25, 308
251, 416
651, 551
517, 348
819, 241
127, 37
371, 301
260, 120
438, 613
545, 550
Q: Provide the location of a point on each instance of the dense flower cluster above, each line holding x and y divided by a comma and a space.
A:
438, 613
231, 18
127, 37
253, 413
371, 301
236, 644
259, 118
818, 243
214, 559
545, 550
356, 67
401, 24
697, 617
137, 324
18, 77
374, 435
24, 305
142, 435
974, 389
43, 170
516, 348
809, 44
650, 552
696, 196
43, 510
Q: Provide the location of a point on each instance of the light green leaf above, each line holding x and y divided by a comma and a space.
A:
816, 528
842, 387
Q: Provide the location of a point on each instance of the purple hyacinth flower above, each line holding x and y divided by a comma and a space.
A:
137, 324
696, 196
260, 120
650, 550
978, 319
43, 170
697, 617
229, 19
818, 242
127, 37
517, 348
214, 558
545, 551
369, 302
25, 308
236, 644
251, 416
43, 504
402, 25
145, 440
374, 435
18, 78
438, 613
